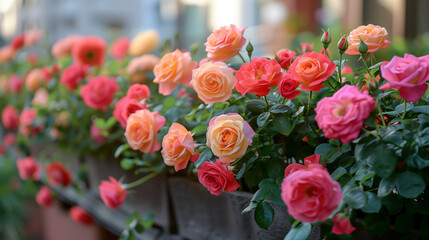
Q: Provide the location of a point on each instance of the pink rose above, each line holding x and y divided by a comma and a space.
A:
32, 37
310, 194
258, 76
342, 115
138, 92
293, 167
408, 74
9, 117
225, 43
29, 168
73, 75
27, 122
57, 174
119, 48
286, 57
96, 134
9, 139
112, 193
79, 215
98, 93
342, 225
288, 86
306, 47
216, 177
44, 197
125, 107
41, 97
15, 84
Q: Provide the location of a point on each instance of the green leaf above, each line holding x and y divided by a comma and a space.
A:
279, 108
199, 129
256, 105
110, 122
382, 159
249, 208
373, 205
264, 215
410, 185
283, 124
404, 222
386, 186
355, 197
120, 149
99, 122
235, 66
263, 118
299, 112
127, 163
205, 155
328, 153
340, 171
270, 186
301, 232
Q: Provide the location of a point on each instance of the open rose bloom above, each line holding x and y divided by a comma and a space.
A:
224, 43
373, 36
177, 147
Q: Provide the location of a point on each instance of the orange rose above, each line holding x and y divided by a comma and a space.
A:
213, 82
312, 69
175, 67
373, 36
228, 136
7, 53
142, 130
225, 43
34, 80
177, 147
144, 42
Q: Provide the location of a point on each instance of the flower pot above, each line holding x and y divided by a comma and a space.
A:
201, 215
149, 197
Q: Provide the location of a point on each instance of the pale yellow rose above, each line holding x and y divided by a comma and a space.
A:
144, 42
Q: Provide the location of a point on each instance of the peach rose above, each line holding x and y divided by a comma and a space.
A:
34, 79
213, 82
63, 47
32, 37
144, 42
175, 67
312, 69
7, 53
224, 43
228, 136
177, 147
138, 67
373, 36
142, 130
40, 97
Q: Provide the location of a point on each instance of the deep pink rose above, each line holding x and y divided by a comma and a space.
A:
9, 117
342, 115
15, 84
79, 215
286, 57
112, 193
57, 174
96, 134
216, 177
119, 48
258, 76
44, 197
408, 74
293, 167
98, 93
138, 92
29, 168
342, 225
288, 86
73, 75
310, 194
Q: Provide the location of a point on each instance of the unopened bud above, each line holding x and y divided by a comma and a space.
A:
362, 47
342, 45
326, 39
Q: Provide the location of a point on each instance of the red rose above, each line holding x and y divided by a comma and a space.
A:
89, 51
216, 177
98, 93
9, 118
79, 215
28, 168
44, 197
120, 47
15, 84
138, 92
287, 86
342, 225
258, 76
112, 193
17, 42
73, 75
57, 174
286, 57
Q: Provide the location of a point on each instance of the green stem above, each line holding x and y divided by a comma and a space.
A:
266, 101
405, 110
380, 113
142, 180
239, 54
339, 69
370, 74
309, 104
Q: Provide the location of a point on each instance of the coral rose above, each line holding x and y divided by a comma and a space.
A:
293, 167
173, 68
57, 174
28, 168
112, 193
7, 53
9, 117
44, 197
138, 92
342, 115
73, 75
288, 86
310, 194
177, 147
258, 76
98, 93
342, 225
408, 74
63, 47
119, 48
125, 107
89, 51
142, 130
372, 35
79, 215
213, 82
228, 136
224, 43
144, 42
15, 84
312, 69
96, 134
286, 57
216, 177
